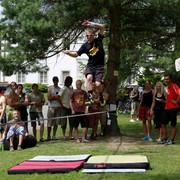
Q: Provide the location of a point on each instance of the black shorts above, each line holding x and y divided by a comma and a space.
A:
36, 116
65, 112
96, 71
171, 116
81, 119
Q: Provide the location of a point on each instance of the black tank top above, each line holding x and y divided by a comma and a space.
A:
159, 104
147, 99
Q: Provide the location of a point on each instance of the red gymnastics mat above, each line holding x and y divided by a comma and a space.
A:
49, 164
29, 167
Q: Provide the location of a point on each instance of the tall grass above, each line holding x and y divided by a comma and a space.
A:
164, 159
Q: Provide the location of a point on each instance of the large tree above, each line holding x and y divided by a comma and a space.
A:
136, 30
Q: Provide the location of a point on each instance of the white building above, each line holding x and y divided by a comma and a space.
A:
60, 65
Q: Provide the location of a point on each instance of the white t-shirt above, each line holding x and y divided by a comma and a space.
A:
54, 91
65, 95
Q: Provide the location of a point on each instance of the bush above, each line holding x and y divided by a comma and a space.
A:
42, 87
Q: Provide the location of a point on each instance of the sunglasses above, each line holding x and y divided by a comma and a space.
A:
89, 35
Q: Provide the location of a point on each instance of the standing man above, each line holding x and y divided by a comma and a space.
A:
94, 115
54, 108
23, 98
2, 112
93, 48
103, 98
64, 99
171, 108
36, 100
13, 100
134, 96
78, 99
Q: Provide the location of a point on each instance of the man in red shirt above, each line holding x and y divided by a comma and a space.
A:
171, 108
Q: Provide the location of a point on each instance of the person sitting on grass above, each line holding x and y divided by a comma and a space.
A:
15, 128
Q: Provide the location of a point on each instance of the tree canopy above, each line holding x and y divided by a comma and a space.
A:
141, 33
35, 30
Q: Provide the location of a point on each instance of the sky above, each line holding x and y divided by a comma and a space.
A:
0, 11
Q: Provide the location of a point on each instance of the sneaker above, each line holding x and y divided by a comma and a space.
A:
41, 140
19, 148
48, 138
93, 137
71, 138
11, 148
145, 138
161, 142
169, 142
132, 120
149, 138
54, 138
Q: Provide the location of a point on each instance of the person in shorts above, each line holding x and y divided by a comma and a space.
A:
103, 98
134, 96
93, 48
64, 99
15, 128
36, 101
78, 99
94, 113
23, 98
171, 108
158, 106
144, 110
54, 109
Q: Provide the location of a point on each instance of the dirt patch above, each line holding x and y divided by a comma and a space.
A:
123, 143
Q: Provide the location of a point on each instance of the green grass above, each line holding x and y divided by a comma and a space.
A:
164, 160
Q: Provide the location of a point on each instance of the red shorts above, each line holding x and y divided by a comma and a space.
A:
144, 113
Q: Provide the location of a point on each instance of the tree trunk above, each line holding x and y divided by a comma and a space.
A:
113, 67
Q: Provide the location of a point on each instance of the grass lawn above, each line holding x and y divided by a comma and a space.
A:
164, 159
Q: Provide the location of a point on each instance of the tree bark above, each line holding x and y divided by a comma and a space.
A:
113, 67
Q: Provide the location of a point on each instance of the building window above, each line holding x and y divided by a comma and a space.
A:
21, 78
43, 77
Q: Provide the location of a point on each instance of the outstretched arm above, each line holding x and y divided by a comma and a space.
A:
94, 25
71, 53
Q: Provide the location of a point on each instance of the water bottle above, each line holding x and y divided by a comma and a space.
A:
2, 146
